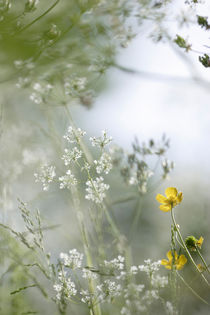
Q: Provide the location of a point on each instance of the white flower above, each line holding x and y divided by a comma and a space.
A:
96, 190
102, 141
73, 86
116, 263
104, 164
159, 282
46, 176
71, 155
134, 270
88, 274
74, 135
66, 288
68, 180
73, 259
150, 266
86, 298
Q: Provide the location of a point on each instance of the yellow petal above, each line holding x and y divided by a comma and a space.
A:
165, 208
179, 197
164, 262
169, 255
171, 192
181, 262
200, 242
160, 198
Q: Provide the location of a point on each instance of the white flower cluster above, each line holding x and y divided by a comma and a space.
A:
108, 290
74, 86
159, 282
71, 155
68, 180
140, 178
88, 274
150, 266
73, 136
72, 260
96, 190
46, 176
104, 164
131, 296
65, 288
40, 92
102, 141
86, 297
116, 263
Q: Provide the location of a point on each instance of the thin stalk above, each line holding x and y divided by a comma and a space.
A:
38, 18
189, 287
203, 260
95, 310
185, 247
82, 145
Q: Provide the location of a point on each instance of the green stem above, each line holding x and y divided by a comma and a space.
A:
201, 257
80, 142
189, 287
38, 18
95, 310
185, 247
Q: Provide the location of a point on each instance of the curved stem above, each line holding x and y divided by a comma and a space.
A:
185, 247
203, 260
38, 18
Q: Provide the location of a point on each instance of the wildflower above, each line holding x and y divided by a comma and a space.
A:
172, 199
73, 259
68, 180
45, 176
71, 155
74, 135
88, 274
192, 243
102, 141
96, 190
174, 259
103, 164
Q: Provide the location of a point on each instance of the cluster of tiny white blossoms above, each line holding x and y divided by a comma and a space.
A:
68, 180
86, 297
46, 176
116, 263
150, 267
71, 155
40, 92
104, 164
72, 260
131, 295
108, 290
102, 141
74, 86
88, 274
96, 190
74, 135
65, 288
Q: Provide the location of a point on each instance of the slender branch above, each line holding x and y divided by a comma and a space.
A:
38, 18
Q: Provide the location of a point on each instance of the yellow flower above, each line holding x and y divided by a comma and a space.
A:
172, 199
179, 261
200, 242
201, 268
192, 243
